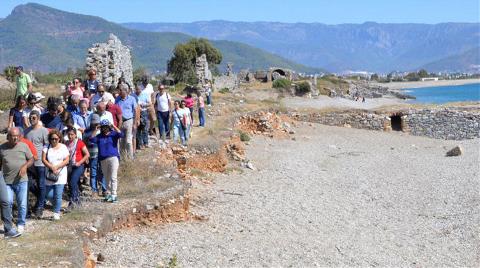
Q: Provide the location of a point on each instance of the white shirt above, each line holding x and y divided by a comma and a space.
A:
162, 102
148, 90
55, 157
97, 98
187, 114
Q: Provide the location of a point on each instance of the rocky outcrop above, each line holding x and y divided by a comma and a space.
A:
112, 60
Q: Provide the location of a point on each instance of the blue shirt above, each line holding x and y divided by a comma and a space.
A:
143, 100
50, 121
128, 106
107, 144
92, 86
82, 121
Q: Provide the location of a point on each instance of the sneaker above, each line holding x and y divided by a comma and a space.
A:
20, 229
56, 216
114, 199
12, 234
107, 197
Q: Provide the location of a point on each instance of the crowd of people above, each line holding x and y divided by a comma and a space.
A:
82, 137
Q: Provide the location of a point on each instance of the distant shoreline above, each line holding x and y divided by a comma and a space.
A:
419, 84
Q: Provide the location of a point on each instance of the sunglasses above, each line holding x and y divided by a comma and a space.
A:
101, 92
54, 139
33, 118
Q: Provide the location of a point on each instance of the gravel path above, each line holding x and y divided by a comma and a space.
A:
334, 197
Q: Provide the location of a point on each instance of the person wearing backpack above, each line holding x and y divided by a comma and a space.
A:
163, 106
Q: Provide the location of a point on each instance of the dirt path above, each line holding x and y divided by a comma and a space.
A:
333, 197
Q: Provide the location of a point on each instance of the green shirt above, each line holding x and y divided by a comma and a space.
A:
12, 160
22, 84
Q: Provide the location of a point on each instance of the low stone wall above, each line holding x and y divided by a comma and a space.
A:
363, 120
455, 123
226, 81
447, 123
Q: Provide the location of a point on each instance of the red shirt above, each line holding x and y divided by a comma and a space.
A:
188, 102
31, 147
78, 151
116, 112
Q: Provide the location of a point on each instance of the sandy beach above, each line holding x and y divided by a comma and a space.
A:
334, 197
419, 84
325, 102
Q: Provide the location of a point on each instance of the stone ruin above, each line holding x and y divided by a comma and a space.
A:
269, 75
112, 60
203, 73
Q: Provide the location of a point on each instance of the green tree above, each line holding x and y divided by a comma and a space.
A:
374, 77
422, 73
10, 73
182, 64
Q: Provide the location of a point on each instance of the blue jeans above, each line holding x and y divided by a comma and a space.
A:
209, 99
201, 116
178, 132
41, 189
74, 183
54, 194
5, 204
20, 190
163, 123
96, 175
142, 130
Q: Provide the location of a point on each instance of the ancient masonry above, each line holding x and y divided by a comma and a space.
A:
201, 70
228, 80
454, 123
112, 60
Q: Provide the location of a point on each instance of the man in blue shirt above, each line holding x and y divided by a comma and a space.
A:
82, 117
91, 84
128, 104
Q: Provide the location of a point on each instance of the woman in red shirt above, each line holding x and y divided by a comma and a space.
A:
78, 155
189, 102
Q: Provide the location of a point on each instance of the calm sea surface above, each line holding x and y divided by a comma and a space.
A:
470, 92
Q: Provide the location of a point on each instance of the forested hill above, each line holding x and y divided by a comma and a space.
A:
46, 39
370, 46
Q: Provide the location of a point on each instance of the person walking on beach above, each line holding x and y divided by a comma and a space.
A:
201, 110
55, 157
129, 109
24, 83
107, 142
15, 158
163, 106
78, 156
38, 135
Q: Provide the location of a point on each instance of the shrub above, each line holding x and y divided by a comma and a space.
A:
281, 83
302, 88
224, 90
244, 136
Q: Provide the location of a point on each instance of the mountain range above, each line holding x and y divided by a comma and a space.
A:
376, 47
47, 39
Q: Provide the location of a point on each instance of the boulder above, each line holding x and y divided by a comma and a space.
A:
455, 151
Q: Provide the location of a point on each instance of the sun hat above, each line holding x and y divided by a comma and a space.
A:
104, 122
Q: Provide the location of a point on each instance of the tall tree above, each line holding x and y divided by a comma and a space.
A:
182, 64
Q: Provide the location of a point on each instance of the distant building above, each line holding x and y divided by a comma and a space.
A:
429, 79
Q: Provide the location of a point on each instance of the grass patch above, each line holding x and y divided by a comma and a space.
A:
244, 136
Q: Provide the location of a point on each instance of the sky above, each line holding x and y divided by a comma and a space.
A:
323, 11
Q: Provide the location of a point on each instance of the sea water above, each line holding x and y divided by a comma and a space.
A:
444, 94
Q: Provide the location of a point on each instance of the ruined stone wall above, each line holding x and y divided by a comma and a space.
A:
363, 120
447, 123
202, 71
112, 60
442, 123
226, 81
